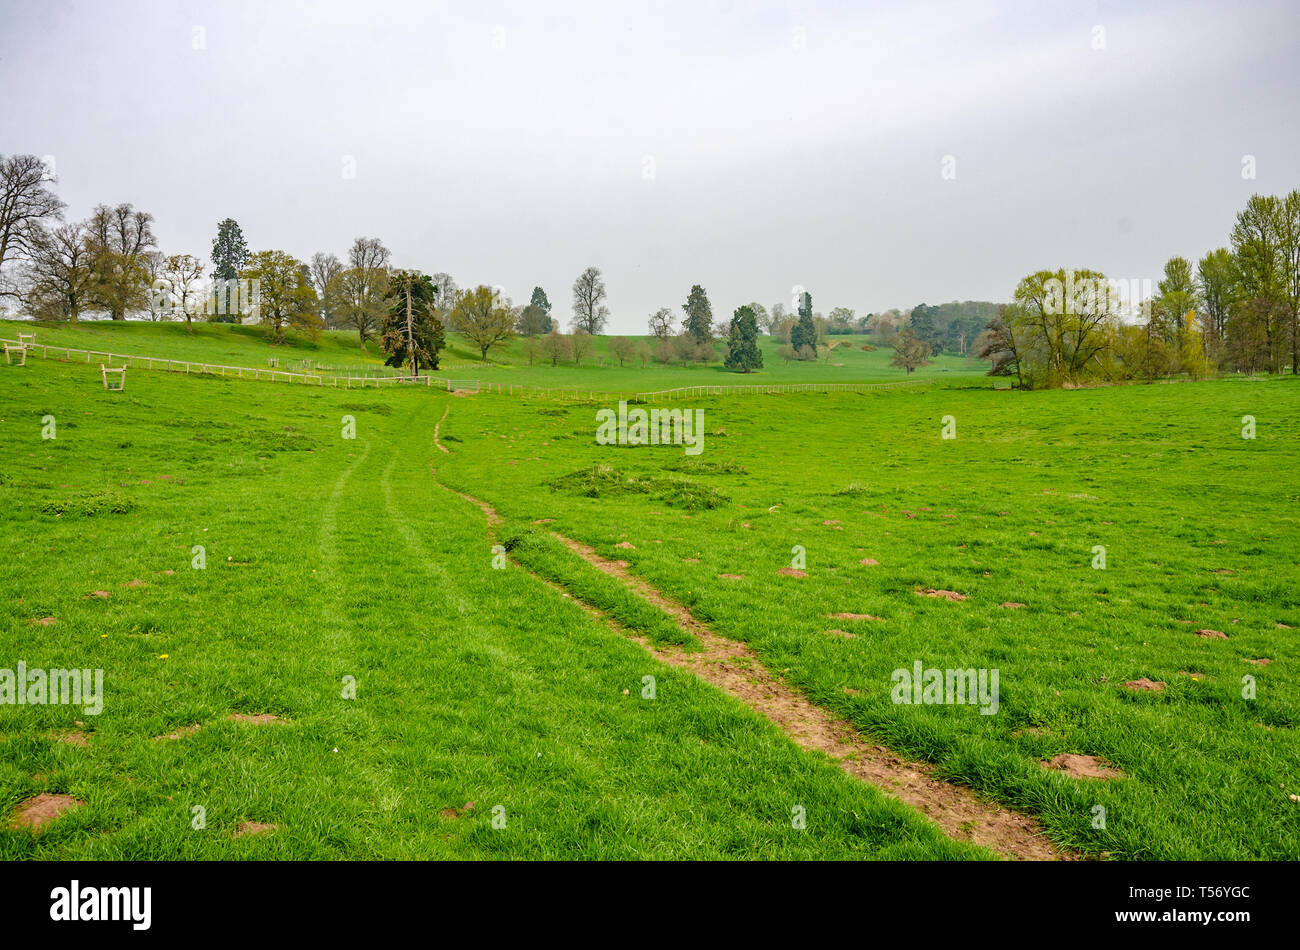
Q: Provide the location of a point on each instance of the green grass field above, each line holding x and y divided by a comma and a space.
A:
329, 558
340, 352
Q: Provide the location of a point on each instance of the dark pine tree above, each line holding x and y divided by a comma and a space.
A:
804, 331
421, 328
743, 353
699, 315
229, 255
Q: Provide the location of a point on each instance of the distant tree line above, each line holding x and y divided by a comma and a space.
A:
1238, 310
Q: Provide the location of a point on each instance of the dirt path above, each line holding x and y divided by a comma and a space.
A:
734, 668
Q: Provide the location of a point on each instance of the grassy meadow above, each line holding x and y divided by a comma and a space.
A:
340, 352
1199, 529
331, 557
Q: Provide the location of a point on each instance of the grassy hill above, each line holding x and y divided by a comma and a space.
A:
1170, 668
337, 351
493, 717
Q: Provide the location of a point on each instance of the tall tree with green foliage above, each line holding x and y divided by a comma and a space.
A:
285, 296
229, 251
1216, 275
925, 326
532, 322
1258, 237
1289, 247
542, 303
412, 333
804, 332
535, 319
1177, 296
699, 315
229, 257
743, 353
1065, 319
485, 317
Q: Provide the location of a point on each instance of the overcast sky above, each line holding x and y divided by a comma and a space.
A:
748, 147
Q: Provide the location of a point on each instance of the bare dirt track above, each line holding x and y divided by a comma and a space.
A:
732, 667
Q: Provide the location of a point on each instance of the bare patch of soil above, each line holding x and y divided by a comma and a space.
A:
37, 812
254, 828
842, 633
1083, 766
869, 562
1012, 605
1157, 686
735, 669
1211, 634
945, 594
102, 594
1262, 661
437, 426
135, 582
258, 719
732, 577
458, 812
792, 572
732, 667
626, 546
848, 616
73, 737
41, 621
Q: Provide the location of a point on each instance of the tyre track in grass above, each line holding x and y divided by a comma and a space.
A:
425, 558
732, 667
332, 614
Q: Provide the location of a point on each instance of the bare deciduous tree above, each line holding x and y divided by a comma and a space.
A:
662, 323
622, 349
119, 238
364, 287
183, 272
445, 291
556, 346
582, 345
60, 275
26, 204
158, 298
327, 280
589, 311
